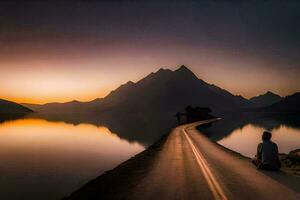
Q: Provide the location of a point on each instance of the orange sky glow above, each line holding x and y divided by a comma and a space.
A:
66, 80
43, 80
59, 52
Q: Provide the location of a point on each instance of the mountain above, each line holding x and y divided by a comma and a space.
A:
289, 104
237, 99
71, 107
11, 108
266, 99
158, 95
167, 92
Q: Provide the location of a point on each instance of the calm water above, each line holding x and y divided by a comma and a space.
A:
47, 160
242, 134
244, 140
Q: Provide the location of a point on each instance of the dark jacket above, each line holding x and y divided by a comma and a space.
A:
267, 152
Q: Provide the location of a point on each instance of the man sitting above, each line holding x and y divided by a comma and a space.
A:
267, 154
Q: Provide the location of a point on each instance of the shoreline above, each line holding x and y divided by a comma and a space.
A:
118, 182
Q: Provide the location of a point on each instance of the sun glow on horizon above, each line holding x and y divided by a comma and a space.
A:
21, 100
43, 89
40, 82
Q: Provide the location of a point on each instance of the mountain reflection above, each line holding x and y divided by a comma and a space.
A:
9, 117
48, 160
223, 128
148, 129
144, 130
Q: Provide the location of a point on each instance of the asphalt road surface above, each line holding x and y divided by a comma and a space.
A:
190, 166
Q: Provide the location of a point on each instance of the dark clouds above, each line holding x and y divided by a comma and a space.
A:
265, 29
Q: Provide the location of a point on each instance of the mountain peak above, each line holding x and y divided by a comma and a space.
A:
160, 73
265, 99
271, 93
74, 101
130, 83
267, 94
163, 70
183, 68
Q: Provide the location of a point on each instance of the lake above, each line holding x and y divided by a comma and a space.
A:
244, 140
40, 159
48, 158
242, 135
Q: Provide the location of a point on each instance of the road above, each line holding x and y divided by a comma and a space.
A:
190, 166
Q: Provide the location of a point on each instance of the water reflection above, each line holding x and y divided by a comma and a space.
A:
143, 129
245, 140
48, 160
242, 134
47, 157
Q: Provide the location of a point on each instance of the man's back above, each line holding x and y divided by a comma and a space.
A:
269, 153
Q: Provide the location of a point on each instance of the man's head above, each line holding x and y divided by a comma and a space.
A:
266, 136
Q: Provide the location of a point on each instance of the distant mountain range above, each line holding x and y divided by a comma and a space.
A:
289, 104
11, 108
164, 92
72, 107
266, 99
160, 94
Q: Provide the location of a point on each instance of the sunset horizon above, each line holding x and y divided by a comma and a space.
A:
92, 95
87, 49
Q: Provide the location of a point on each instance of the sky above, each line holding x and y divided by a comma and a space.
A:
61, 51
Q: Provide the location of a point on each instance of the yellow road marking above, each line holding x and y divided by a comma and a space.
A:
213, 184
